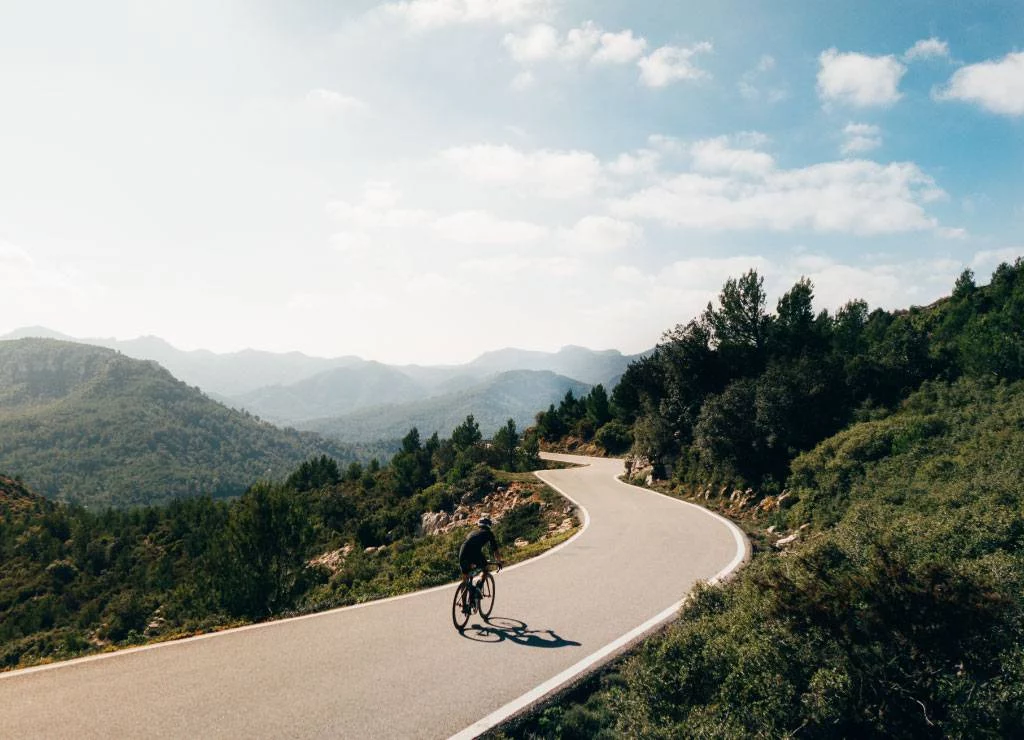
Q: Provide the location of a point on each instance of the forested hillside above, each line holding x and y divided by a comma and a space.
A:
877, 460
75, 581
515, 394
89, 425
731, 397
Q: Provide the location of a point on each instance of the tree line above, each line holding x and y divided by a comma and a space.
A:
732, 396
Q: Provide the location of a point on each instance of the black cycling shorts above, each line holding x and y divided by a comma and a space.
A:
469, 561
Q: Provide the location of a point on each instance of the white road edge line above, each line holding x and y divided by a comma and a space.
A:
552, 684
271, 623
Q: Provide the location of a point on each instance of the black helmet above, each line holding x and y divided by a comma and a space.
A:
485, 522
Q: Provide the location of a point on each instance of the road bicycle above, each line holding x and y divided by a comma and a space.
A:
475, 595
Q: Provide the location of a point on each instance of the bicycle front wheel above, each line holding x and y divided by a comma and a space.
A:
486, 595
461, 607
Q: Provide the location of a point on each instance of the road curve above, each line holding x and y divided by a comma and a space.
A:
397, 667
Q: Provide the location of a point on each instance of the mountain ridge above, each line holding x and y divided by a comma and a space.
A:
515, 394
90, 425
292, 388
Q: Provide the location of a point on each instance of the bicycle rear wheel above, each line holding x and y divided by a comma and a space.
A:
486, 595
461, 607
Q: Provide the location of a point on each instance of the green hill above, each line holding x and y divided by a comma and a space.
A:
332, 393
898, 613
878, 458
512, 395
89, 425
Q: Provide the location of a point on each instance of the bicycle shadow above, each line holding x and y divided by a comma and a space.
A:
501, 629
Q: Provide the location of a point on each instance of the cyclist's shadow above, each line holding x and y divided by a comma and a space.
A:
500, 629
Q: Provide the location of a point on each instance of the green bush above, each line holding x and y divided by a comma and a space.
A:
614, 438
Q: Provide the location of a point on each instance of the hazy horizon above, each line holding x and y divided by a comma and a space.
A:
424, 181
46, 330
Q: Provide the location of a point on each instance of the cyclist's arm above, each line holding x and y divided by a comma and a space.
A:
496, 550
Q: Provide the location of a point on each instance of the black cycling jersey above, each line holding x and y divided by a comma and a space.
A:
472, 551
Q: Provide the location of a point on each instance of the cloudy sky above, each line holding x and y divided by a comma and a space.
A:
422, 181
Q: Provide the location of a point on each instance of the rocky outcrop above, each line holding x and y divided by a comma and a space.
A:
332, 560
496, 505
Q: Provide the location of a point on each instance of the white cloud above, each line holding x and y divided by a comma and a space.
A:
510, 268
861, 137
425, 15
480, 227
380, 194
587, 43
630, 164
997, 86
717, 156
751, 86
378, 208
336, 102
550, 173
854, 196
989, 259
538, 43
668, 64
619, 48
931, 48
708, 273
581, 43
600, 235
859, 80
377, 218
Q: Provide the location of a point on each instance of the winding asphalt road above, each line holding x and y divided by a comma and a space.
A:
398, 668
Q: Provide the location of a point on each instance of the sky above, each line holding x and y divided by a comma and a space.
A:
426, 180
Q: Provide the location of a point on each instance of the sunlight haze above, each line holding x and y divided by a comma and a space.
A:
427, 180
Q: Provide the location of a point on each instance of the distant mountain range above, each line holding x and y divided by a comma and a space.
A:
516, 395
309, 392
228, 375
89, 425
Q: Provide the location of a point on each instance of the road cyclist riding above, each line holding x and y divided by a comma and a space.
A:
476, 591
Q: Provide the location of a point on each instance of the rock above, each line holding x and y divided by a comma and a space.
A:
334, 559
432, 523
520, 542
370, 550
770, 530
787, 540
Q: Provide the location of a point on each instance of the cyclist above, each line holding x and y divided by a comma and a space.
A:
471, 554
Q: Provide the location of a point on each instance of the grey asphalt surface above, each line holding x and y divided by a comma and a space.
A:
395, 668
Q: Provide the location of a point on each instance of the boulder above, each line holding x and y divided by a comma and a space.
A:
433, 522
787, 540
